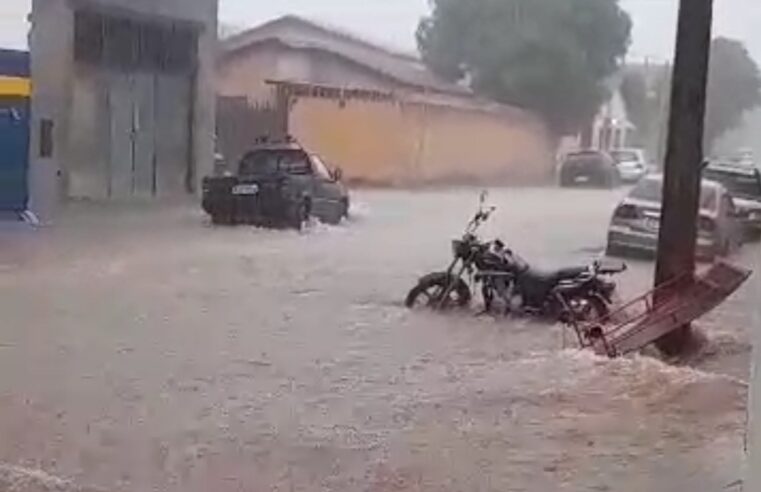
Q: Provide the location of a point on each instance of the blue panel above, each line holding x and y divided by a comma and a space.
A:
14, 63
14, 154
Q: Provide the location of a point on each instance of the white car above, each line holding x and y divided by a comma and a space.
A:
631, 164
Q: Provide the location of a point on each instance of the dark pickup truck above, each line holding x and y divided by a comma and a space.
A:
744, 184
277, 185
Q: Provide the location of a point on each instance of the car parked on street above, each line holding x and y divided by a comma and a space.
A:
278, 184
744, 183
636, 220
631, 163
589, 168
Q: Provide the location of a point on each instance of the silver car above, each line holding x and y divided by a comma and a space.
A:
631, 164
636, 220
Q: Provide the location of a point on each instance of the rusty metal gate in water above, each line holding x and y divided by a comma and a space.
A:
661, 311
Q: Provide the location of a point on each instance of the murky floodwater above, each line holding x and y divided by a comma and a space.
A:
153, 352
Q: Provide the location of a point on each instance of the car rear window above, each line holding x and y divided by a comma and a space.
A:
650, 190
624, 156
268, 161
586, 159
739, 184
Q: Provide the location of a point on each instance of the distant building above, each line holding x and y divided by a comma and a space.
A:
123, 99
610, 129
382, 116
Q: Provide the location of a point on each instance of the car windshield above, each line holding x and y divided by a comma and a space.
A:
739, 184
268, 161
320, 168
624, 156
650, 190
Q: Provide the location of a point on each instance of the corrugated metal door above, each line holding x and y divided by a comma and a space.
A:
148, 65
144, 131
173, 114
121, 148
14, 154
139, 131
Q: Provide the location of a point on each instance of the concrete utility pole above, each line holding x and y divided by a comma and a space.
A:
684, 154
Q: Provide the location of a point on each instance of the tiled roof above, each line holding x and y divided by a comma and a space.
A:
299, 33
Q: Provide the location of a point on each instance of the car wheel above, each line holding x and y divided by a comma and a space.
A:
300, 215
221, 219
335, 217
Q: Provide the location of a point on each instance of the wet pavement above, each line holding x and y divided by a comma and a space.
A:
145, 350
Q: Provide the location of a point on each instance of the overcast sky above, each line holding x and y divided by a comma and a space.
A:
393, 22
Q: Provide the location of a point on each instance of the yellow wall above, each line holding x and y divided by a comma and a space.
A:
387, 142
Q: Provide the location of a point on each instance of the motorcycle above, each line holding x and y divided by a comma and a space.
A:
569, 295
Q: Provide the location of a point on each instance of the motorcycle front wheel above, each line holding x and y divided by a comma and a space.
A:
439, 291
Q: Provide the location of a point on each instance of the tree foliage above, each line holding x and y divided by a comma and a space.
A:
551, 56
645, 90
637, 99
734, 87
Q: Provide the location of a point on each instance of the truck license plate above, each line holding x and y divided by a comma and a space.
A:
246, 189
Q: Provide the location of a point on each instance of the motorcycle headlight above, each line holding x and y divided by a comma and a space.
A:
457, 247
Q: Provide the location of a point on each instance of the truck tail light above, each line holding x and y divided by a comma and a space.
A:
627, 212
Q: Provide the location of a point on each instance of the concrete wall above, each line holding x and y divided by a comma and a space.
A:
59, 91
400, 143
391, 142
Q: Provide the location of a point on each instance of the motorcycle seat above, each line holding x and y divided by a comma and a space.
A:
555, 276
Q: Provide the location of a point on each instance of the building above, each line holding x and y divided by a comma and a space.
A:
123, 99
612, 128
381, 116
15, 89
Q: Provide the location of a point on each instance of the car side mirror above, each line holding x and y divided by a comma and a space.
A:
337, 174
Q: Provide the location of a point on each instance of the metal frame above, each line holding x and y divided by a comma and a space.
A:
660, 311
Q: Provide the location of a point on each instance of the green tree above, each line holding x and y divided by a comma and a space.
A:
645, 90
734, 87
550, 56
637, 99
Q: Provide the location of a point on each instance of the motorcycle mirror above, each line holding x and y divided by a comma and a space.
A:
484, 196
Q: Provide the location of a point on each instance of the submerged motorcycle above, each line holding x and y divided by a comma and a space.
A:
512, 286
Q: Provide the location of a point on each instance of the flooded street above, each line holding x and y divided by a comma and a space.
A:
144, 350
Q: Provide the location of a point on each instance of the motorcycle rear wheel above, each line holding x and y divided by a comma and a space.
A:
429, 291
594, 309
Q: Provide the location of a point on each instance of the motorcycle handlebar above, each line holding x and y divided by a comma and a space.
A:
482, 216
